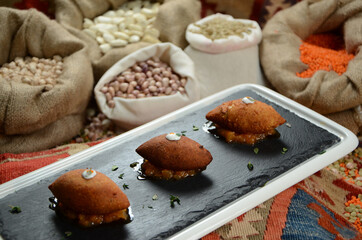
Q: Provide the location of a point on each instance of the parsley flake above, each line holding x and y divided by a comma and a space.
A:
68, 233
250, 166
125, 186
154, 197
256, 150
15, 209
322, 152
114, 168
178, 134
132, 165
284, 150
150, 207
174, 199
194, 128
121, 176
183, 133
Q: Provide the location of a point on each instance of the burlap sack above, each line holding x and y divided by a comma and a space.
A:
54, 134
172, 20
25, 109
130, 113
325, 92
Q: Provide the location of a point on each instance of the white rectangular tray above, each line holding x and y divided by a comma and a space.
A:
348, 142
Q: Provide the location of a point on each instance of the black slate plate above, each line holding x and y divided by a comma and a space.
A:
226, 179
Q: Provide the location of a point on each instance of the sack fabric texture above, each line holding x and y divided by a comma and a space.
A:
172, 20
33, 118
335, 96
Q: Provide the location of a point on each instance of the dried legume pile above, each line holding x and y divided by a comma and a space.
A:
98, 127
33, 71
144, 79
354, 211
131, 23
218, 28
324, 52
350, 167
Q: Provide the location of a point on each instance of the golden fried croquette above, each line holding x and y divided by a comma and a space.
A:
173, 159
89, 201
245, 120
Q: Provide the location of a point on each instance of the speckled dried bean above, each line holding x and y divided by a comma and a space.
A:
145, 79
33, 71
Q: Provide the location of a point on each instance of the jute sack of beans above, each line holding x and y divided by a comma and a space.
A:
129, 112
336, 96
26, 108
171, 21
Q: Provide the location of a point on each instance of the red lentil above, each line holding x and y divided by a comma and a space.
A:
357, 203
324, 52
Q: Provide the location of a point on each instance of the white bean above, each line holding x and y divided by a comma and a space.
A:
117, 20
100, 40
118, 43
108, 37
135, 27
105, 47
121, 35
134, 39
103, 19
90, 32
149, 13
110, 14
87, 23
136, 33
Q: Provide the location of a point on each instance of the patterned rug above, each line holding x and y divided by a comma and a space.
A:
327, 205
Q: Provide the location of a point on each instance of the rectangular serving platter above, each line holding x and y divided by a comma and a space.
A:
225, 190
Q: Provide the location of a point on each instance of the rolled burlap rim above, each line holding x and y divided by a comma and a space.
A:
33, 117
325, 92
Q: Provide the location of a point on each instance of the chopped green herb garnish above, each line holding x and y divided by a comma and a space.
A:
68, 233
150, 207
324, 151
174, 199
132, 165
121, 176
284, 150
178, 134
154, 197
183, 133
15, 209
256, 150
195, 128
250, 166
125, 186
114, 168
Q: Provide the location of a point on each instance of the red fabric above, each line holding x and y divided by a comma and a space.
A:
11, 170
278, 213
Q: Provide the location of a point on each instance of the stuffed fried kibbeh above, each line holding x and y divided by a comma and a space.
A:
172, 156
89, 198
245, 120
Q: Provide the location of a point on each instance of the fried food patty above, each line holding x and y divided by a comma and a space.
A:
242, 122
183, 157
86, 199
